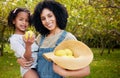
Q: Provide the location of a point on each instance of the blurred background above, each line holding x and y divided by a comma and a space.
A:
94, 22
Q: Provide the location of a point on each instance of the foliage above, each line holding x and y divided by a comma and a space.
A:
95, 22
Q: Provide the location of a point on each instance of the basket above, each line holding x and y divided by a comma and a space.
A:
83, 55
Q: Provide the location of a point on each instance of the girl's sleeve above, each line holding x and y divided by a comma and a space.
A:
17, 47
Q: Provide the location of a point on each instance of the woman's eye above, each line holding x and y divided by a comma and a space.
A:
49, 15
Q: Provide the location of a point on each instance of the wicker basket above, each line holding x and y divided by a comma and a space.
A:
83, 56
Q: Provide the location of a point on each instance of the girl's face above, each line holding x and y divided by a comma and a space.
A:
48, 19
21, 22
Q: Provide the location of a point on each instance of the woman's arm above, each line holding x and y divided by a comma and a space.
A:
73, 73
24, 63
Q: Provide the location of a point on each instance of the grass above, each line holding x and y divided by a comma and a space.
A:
106, 66
8, 66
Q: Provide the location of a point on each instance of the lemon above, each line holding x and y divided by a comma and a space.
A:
60, 53
28, 34
64, 52
68, 52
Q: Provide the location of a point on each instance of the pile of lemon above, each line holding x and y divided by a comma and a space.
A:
64, 53
71, 55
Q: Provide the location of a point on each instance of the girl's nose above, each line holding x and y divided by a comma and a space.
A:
24, 22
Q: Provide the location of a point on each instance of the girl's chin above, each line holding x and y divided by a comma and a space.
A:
23, 30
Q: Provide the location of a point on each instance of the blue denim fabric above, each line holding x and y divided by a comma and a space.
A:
45, 67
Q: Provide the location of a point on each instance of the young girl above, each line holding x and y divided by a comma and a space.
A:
19, 19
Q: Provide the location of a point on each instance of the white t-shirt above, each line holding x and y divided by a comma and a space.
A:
18, 46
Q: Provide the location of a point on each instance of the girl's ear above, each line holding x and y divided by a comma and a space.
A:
13, 22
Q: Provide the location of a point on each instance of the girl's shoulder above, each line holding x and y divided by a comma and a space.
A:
15, 36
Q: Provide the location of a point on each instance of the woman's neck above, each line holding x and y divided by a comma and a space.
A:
54, 32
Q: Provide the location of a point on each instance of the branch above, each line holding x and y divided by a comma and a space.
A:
114, 31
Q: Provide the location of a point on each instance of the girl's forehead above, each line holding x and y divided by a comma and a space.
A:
22, 14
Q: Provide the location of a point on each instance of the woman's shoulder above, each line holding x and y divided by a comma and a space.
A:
70, 36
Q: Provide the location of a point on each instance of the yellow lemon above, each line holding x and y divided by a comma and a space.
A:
28, 34
68, 52
60, 53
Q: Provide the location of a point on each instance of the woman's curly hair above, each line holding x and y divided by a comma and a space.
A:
58, 10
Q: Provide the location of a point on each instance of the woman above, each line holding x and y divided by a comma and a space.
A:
50, 19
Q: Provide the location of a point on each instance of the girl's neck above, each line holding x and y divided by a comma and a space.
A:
19, 32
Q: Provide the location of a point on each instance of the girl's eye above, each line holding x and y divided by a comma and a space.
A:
27, 20
21, 19
42, 18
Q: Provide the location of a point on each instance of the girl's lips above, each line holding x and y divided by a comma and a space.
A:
23, 26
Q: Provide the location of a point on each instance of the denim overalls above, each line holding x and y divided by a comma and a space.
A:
45, 67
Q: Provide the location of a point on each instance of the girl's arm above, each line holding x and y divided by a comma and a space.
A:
28, 51
73, 73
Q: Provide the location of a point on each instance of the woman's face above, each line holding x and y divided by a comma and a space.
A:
48, 19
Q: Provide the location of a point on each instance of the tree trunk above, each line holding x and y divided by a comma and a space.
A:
102, 46
1, 50
109, 50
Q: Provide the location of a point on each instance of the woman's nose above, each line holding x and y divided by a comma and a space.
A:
47, 19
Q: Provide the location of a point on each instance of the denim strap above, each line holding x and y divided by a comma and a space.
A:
61, 38
41, 41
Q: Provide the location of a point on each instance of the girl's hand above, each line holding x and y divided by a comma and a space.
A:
24, 63
29, 38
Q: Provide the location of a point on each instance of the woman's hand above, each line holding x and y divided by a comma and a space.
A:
73, 73
57, 69
24, 63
